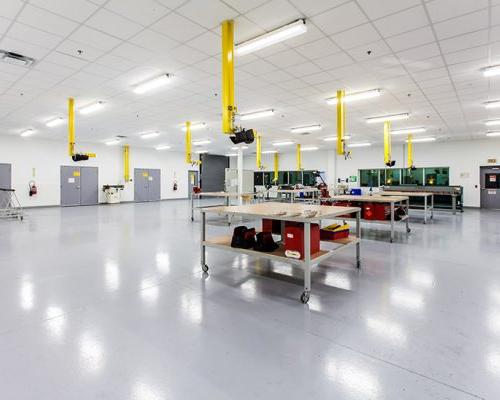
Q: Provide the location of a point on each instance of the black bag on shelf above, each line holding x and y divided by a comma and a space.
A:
265, 242
243, 237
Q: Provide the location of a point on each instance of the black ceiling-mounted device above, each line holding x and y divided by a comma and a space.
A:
79, 157
243, 136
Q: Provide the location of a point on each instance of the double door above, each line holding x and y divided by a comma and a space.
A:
79, 186
147, 184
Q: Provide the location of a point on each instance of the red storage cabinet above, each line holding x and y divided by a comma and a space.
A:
271, 225
294, 238
376, 211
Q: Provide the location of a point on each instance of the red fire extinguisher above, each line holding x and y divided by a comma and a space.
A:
33, 188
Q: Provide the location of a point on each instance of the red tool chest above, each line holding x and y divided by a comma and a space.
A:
294, 238
376, 211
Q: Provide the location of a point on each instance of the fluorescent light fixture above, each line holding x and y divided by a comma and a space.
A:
268, 39
423, 140
112, 142
239, 147
284, 143
202, 152
493, 122
256, 114
91, 108
305, 129
309, 148
27, 132
150, 135
334, 138
491, 71
231, 154
163, 147
493, 133
349, 98
384, 118
201, 142
54, 122
196, 126
269, 151
359, 144
492, 104
407, 131
152, 84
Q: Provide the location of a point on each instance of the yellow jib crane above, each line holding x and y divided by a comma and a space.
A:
276, 166
410, 151
258, 153
71, 135
189, 151
299, 158
228, 106
340, 123
126, 163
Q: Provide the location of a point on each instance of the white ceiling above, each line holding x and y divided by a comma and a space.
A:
425, 55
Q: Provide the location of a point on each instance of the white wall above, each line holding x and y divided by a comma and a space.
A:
46, 157
463, 157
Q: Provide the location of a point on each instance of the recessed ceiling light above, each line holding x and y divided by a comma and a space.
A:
349, 98
284, 143
309, 148
269, 151
195, 126
150, 135
491, 70
423, 140
231, 154
54, 122
163, 147
239, 147
407, 131
112, 142
334, 138
384, 118
305, 129
493, 122
27, 132
201, 142
152, 84
359, 144
278, 35
492, 104
202, 152
493, 133
256, 114
91, 108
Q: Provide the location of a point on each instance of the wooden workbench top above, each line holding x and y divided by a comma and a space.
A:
410, 194
367, 198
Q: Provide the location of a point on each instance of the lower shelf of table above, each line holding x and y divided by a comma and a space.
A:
224, 243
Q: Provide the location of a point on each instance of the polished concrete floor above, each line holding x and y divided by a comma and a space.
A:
109, 302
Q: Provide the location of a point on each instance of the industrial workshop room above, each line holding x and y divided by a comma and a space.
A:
250, 199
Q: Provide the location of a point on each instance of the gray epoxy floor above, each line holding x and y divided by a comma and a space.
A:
109, 302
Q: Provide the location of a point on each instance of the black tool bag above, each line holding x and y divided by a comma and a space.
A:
243, 237
265, 242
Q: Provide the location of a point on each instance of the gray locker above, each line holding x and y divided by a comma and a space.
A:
147, 184
154, 185
89, 186
5, 179
79, 186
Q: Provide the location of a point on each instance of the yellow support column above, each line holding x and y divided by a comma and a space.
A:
340, 122
387, 142
126, 163
410, 151
189, 159
228, 106
299, 158
258, 157
71, 126
276, 166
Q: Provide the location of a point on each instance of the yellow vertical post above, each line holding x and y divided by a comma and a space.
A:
276, 166
340, 122
71, 126
387, 142
126, 163
228, 106
258, 157
410, 151
299, 158
189, 160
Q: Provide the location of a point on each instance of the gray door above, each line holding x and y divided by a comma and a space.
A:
141, 184
192, 181
490, 187
5, 180
70, 186
154, 180
89, 186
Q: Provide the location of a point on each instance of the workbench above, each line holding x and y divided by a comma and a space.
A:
292, 193
227, 196
427, 207
270, 210
393, 201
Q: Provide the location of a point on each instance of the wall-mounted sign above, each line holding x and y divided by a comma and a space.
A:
76, 173
492, 160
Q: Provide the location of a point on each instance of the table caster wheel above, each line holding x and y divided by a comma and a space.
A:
358, 264
408, 230
204, 267
391, 241
304, 298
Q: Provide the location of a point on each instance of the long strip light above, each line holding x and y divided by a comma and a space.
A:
201, 142
231, 154
269, 151
423, 140
348, 98
54, 122
359, 144
493, 122
150, 135
268, 39
196, 126
163, 147
493, 133
27, 132
306, 129
491, 70
283, 143
112, 142
492, 104
309, 148
334, 138
257, 114
91, 108
202, 152
152, 84
239, 147
407, 131
384, 118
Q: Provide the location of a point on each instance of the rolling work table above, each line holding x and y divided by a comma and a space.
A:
292, 193
427, 207
269, 211
227, 196
393, 201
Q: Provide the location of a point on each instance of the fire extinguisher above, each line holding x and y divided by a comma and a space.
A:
33, 188
175, 182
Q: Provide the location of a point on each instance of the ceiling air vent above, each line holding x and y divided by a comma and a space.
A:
16, 59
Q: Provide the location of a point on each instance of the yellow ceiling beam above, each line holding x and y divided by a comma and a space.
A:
228, 106
340, 123
387, 143
276, 166
71, 126
126, 163
299, 158
410, 151
258, 154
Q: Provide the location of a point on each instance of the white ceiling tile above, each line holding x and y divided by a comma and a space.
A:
133, 53
460, 25
10, 8
66, 61
440, 10
144, 12
208, 14
370, 51
495, 15
312, 8
208, 43
79, 50
480, 53
153, 41
381, 8
333, 61
33, 36
356, 36
50, 68
318, 48
46, 21
274, 14
402, 21
187, 55
244, 29
318, 78
17, 46
243, 6
4, 24
77, 10
178, 27
94, 38
464, 41
307, 68
419, 53
286, 58
113, 24
258, 67
411, 39
340, 18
